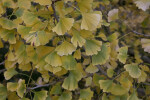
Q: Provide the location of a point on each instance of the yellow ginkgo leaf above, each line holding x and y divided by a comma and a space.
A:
146, 44
7, 24
143, 77
68, 62
92, 46
37, 38
21, 88
54, 59
122, 56
63, 25
113, 15
133, 70
66, 96
86, 94
85, 5
77, 39
65, 48
52, 69
77, 54
40, 95
106, 85
11, 86
43, 2
91, 69
142, 4
90, 21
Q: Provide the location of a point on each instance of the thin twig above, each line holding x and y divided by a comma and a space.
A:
2, 70
146, 84
2, 63
53, 7
137, 33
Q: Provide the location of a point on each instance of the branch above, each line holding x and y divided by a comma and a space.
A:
2, 70
2, 63
137, 33
53, 7
102, 71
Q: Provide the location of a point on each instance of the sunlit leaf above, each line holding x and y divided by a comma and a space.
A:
91, 69
7, 24
65, 48
21, 89
85, 5
41, 95
24, 4
63, 25
142, 4
43, 2
113, 15
122, 56
106, 85
146, 44
10, 73
86, 94
12, 86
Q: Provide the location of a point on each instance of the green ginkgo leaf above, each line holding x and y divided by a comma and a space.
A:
7, 24
142, 77
92, 46
56, 89
8, 35
37, 38
106, 85
3, 92
12, 86
142, 4
43, 2
23, 31
133, 96
63, 25
91, 69
41, 95
110, 72
10, 73
66, 96
77, 54
86, 94
65, 48
105, 97
122, 56
54, 59
102, 55
24, 99
24, 4
68, 62
118, 90
112, 15
21, 88
29, 18
71, 82
77, 39
90, 21
133, 70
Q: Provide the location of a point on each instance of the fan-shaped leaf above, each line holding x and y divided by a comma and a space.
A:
91, 69
63, 25
66, 96
122, 56
86, 94
41, 95
7, 24
65, 48
106, 85
133, 70
43, 2
12, 86
142, 4
10, 73
3, 92
113, 15
21, 88
133, 96
146, 44
85, 5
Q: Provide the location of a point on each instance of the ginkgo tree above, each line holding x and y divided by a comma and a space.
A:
74, 50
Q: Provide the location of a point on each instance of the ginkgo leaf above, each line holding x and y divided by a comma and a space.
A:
86, 94
88, 81
68, 62
142, 4
54, 70
56, 89
54, 59
77, 54
110, 72
77, 39
3, 92
122, 56
106, 85
91, 69
90, 21
102, 55
133, 96
10, 73
43, 2
29, 18
146, 44
65, 48
71, 82
104, 97
24, 4
21, 89
66, 96
63, 25
92, 47
23, 31
37, 38
41, 95
85, 5
96, 79
24, 99
1, 44
12, 86
7, 24
8, 35
133, 70
118, 90
113, 15
143, 77
8, 3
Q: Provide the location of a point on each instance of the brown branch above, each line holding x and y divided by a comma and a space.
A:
137, 33
53, 7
